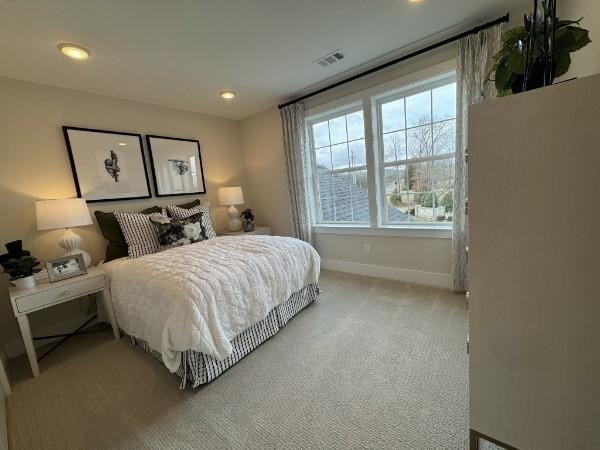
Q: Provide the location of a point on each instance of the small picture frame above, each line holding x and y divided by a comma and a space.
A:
176, 165
66, 267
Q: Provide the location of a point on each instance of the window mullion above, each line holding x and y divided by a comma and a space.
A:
370, 122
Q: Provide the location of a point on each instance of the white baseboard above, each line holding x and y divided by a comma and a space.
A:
442, 280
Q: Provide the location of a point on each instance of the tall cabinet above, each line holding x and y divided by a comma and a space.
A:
534, 267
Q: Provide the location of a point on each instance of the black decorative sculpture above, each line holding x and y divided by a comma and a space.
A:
540, 28
112, 165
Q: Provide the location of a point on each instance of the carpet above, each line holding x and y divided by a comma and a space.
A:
372, 364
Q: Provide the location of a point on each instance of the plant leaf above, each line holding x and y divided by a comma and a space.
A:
503, 76
571, 39
516, 63
562, 63
563, 23
512, 36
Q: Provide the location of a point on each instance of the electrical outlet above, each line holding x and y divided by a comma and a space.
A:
367, 248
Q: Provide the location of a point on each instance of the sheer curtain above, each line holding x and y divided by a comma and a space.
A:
294, 148
475, 53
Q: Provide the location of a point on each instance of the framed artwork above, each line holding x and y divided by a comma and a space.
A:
107, 165
176, 166
65, 267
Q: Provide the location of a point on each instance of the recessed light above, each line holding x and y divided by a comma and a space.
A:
73, 51
227, 95
122, 144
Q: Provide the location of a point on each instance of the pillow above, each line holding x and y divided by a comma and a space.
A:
140, 234
110, 229
177, 232
180, 213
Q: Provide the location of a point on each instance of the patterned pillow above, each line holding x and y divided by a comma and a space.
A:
140, 233
176, 232
179, 213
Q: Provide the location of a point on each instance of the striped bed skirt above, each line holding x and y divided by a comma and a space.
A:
199, 368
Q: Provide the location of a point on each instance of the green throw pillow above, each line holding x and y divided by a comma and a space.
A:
110, 229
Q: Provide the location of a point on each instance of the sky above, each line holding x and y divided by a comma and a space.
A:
339, 142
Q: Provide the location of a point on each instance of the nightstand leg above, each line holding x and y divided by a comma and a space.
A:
28, 340
107, 300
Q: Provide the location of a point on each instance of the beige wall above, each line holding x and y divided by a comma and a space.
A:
35, 165
262, 143
587, 60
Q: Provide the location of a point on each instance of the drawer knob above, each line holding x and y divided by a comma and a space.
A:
65, 293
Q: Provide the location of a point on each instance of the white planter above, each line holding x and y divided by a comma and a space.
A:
25, 283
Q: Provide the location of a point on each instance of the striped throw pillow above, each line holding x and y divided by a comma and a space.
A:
180, 213
140, 233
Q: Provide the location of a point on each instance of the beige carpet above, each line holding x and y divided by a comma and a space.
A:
373, 363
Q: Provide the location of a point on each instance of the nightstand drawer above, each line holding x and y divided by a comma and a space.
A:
60, 293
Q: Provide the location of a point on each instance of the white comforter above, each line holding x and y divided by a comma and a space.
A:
200, 296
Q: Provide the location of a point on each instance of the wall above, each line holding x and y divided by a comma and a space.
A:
4, 392
425, 260
417, 259
587, 61
35, 166
265, 169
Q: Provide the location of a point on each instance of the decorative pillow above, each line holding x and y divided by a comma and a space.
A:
110, 229
179, 213
140, 233
177, 232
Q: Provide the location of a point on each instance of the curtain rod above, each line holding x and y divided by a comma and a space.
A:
447, 41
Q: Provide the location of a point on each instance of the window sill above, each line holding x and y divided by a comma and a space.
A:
432, 231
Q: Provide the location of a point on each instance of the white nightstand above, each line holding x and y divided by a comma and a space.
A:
46, 294
257, 230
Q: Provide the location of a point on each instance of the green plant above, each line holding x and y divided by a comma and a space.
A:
447, 201
21, 267
396, 198
510, 63
428, 198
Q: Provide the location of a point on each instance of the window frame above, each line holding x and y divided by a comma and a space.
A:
370, 101
377, 101
314, 191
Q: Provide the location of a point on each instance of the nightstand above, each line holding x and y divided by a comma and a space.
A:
257, 230
46, 294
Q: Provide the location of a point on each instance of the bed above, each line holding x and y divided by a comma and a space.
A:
200, 308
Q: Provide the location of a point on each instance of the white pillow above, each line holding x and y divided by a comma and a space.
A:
140, 233
181, 213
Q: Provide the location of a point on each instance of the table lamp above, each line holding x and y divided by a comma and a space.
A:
230, 196
64, 213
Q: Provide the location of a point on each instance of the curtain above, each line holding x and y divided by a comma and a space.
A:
294, 148
475, 53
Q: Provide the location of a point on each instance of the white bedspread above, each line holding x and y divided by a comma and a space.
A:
200, 296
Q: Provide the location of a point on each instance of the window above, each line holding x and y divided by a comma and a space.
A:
409, 165
417, 136
340, 168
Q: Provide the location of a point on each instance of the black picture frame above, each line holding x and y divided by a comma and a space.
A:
157, 192
72, 161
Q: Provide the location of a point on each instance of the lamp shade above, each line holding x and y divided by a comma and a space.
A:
231, 196
64, 213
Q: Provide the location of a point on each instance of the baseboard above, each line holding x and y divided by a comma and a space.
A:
442, 280
15, 346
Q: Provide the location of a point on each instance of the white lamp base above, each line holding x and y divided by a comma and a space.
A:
235, 224
71, 242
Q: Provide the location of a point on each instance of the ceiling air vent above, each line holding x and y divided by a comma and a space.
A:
330, 58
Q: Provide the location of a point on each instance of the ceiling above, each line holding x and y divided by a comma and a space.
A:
182, 53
